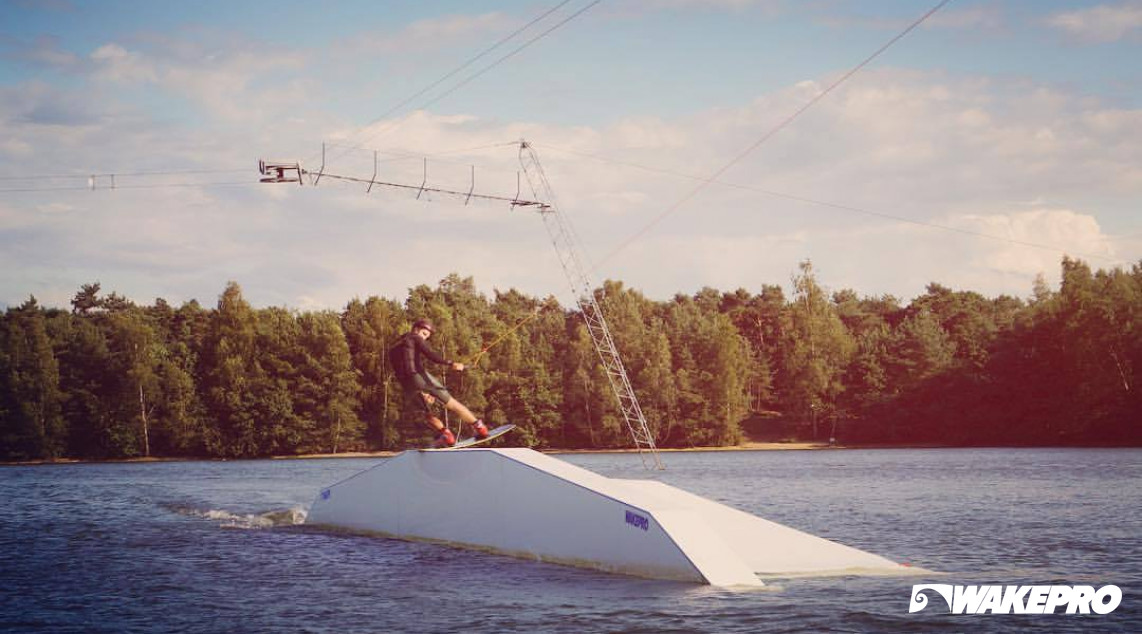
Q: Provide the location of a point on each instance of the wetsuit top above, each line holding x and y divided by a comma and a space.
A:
409, 353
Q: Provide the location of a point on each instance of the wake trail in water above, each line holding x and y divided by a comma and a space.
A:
292, 516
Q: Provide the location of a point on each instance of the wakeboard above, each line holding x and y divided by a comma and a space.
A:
471, 442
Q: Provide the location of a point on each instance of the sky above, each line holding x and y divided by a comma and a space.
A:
975, 151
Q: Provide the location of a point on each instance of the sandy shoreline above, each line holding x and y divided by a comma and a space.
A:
748, 446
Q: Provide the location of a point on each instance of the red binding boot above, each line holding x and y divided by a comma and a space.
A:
445, 439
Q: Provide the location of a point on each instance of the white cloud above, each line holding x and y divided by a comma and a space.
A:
773, 6
456, 26
980, 16
940, 150
649, 133
233, 86
1078, 235
928, 147
227, 78
15, 147
883, 258
117, 64
906, 257
433, 33
55, 208
988, 17
1101, 23
664, 265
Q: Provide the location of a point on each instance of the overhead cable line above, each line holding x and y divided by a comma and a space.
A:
461, 68
706, 182
832, 205
108, 174
107, 180
165, 185
45, 189
511, 54
108, 187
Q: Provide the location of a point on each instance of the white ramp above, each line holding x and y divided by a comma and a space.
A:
522, 503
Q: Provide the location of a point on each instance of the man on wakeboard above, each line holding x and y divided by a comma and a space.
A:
408, 357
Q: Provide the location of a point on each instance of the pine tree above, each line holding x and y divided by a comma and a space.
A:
816, 349
919, 349
31, 424
178, 419
229, 376
370, 329
132, 390
327, 388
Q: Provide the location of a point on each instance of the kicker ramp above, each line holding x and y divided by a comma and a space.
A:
525, 504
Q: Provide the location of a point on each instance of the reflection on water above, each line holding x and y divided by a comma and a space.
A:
144, 547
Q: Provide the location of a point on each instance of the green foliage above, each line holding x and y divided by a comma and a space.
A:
370, 328
524, 381
178, 417
231, 377
712, 371
110, 379
591, 417
31, 424
758, 320
816, 351
1061, 370
326, 387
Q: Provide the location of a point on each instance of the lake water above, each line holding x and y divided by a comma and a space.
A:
213, 547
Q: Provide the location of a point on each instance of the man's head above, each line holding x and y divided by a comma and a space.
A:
423, 327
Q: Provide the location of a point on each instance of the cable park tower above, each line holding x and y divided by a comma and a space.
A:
567, 248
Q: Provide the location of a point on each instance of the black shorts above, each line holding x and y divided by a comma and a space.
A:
416, 384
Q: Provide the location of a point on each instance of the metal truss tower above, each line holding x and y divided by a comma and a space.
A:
565, 241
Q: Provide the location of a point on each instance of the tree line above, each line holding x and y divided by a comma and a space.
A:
112, 379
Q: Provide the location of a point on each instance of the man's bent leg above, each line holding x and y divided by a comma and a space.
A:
479, 429
444, 436
464, 413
